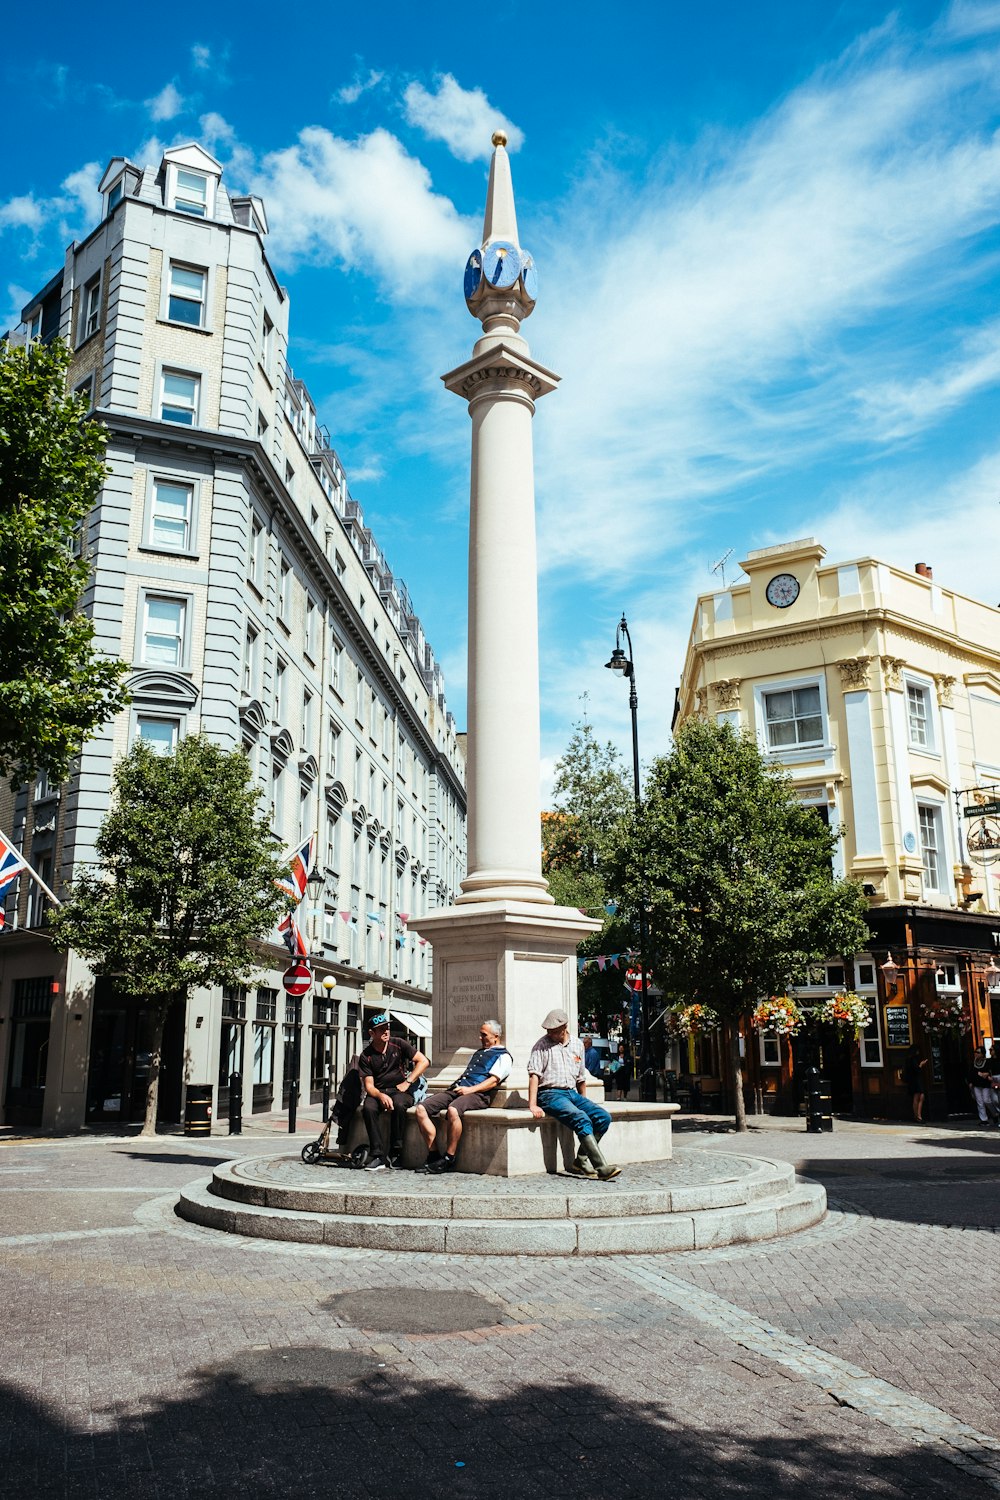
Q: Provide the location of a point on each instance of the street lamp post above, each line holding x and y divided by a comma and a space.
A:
625, 666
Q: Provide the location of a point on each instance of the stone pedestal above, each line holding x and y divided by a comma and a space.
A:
512, 960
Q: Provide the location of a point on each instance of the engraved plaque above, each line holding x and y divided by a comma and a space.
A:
471, 997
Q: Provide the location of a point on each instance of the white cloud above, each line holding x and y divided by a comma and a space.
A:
16, 297
167, 104
463, 118
897, 409
365, 203
201, 56
24, 212
971, 18
75, 209
149, 153
351, 92
215, 131
715, 339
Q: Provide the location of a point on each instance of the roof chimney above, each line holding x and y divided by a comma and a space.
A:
925, 570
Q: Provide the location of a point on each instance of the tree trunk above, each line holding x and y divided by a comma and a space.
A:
159, 1020
739, 1104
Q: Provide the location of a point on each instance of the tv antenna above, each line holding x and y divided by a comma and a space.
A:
720, 566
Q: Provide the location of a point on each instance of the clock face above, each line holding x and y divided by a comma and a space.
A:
783, 590
473, 274
529, 279
501, 263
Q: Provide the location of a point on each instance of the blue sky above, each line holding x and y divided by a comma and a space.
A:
767, 241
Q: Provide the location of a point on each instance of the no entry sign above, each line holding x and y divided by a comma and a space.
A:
297, 979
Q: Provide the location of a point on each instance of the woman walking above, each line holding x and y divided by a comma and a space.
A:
913, 1078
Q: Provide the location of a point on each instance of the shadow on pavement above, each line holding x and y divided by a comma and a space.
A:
311, 1421
181, 1158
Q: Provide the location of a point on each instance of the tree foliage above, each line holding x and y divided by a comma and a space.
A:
736, 874
591, 793
55, 688
185, 886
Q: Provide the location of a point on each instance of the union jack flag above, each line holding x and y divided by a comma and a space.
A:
300, 862
12, 862
291, 936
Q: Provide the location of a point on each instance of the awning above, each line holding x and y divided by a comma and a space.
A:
419, 1025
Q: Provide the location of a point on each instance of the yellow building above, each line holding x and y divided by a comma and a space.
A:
879, 692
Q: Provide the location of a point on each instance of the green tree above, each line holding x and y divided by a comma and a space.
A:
55, 688
737, 878
184, 890
591, 793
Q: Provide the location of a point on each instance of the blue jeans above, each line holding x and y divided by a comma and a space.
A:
581, 1114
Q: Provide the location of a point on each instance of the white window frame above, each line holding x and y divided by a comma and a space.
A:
257, 559
165, 719
938, 849
801, 750
284, 590
267, 346
310, 627
183, 196
336, 665
183, 294
183, 603
308, 717
280, 690
332, 748
114, 194
160, 544
192, 410
251, 661
770, 1050
924, 687
34, 324
90, 309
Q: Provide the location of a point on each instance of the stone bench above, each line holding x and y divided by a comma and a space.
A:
501, 1142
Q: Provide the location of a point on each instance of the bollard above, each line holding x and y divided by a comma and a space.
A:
819, 1113
235, 1104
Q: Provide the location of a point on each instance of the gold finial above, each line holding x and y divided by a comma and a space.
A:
499, 138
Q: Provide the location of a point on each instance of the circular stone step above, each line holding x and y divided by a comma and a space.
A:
697, 1200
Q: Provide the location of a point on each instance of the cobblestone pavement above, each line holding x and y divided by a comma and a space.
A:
145, 1357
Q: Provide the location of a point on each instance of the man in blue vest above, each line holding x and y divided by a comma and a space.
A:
476, 1088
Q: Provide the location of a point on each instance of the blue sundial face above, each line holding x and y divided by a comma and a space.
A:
529, 279
473, 274
501, 264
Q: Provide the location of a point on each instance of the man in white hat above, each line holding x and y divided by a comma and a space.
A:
557, 1087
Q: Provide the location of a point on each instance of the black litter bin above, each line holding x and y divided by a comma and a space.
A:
198, 1109
819, 1102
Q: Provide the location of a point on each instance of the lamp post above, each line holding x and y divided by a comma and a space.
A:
328, 984
625, 666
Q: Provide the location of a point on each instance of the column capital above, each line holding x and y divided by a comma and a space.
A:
500, 371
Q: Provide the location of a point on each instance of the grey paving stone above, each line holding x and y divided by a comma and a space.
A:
490, 1237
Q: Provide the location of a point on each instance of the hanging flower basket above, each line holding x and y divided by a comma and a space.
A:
780, 1016
689, 1020
946, 1015
846, 1011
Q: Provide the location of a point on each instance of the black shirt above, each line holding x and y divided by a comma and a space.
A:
387, 1069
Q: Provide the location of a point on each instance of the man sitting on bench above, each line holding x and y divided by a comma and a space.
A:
475, 1089
388, 1067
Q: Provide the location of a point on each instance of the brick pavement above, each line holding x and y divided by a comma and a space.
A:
146, 1357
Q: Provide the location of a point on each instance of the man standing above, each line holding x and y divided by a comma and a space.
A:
591, 1057
389, 1067
557, 1087
487, 1068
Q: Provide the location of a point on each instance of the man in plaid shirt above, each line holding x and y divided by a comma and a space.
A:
557, 1087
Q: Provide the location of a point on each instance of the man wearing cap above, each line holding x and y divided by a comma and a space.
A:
557, 1087
389, 1067
475, 1088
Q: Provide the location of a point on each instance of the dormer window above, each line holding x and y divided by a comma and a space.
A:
121, 179
191, 193
115, 193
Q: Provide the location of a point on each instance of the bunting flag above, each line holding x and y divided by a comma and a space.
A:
300, 862
403, 917
12, 862
291, 936
345, 916
374, 917
603, 960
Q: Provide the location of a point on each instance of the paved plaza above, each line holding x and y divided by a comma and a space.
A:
146, 1357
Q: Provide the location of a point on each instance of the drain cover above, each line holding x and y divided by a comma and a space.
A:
394, 1309
269, 1371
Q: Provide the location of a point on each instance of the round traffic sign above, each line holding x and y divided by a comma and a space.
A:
297, 978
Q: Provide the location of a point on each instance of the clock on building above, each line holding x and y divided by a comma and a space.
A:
782, 591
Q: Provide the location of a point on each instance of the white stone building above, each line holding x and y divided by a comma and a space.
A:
234, 572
